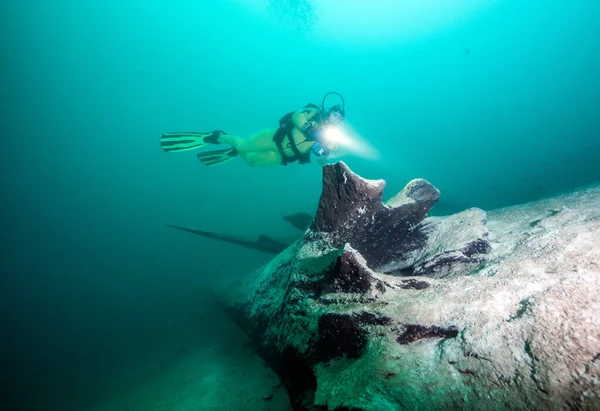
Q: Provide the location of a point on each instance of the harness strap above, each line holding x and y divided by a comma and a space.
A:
285, 130
278, 139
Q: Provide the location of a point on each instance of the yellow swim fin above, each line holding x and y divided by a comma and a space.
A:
183, 141
212, 158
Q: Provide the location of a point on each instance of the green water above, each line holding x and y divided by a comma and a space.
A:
496, 102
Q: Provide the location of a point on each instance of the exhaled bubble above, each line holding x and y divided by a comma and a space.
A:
294, 14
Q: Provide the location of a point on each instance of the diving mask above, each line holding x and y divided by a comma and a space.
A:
335, 116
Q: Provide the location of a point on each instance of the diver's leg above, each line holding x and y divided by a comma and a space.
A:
262, 158
261, 141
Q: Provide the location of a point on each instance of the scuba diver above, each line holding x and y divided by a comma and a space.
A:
299, 134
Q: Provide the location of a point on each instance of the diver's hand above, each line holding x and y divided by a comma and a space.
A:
333, 146
322, 161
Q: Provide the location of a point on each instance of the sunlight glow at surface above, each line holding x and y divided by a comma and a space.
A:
375, 21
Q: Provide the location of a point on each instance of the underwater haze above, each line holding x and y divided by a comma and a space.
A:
495, 102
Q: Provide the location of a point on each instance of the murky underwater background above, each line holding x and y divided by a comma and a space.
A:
496, 102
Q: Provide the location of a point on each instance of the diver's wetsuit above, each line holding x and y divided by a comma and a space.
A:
286, 125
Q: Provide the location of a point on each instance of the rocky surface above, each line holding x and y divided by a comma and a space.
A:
395, 236
378, 307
